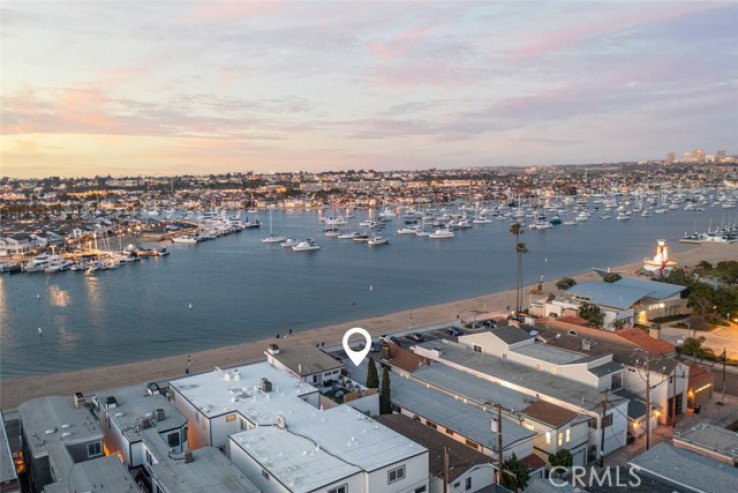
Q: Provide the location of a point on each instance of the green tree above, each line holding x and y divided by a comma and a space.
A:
565, 283
612, 277
591, 313
372, 377
618, 323
562, 458
385, 401
516, 474
516, 229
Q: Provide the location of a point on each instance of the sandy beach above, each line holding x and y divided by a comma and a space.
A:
18, 390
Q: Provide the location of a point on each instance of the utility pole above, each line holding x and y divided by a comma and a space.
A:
673, 401
723, 356
648, 402
602, 431
499, 445
445, 469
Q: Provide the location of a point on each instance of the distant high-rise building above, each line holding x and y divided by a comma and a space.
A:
687, 157
699, 155
720, 156
670, 157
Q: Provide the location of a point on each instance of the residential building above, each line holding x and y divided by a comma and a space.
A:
627, 301
9, 482
711, 441
306, 362
684, 470
462, 470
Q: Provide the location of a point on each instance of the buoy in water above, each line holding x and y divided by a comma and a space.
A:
38, 296
40, 331
371, 288
190, 306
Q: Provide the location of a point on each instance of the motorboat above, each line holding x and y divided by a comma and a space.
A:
331, 232
306, 246
406, 231
441, 234
184, 240
290, 242
482, 220
41, 262
348, 236
377, 240
361, 238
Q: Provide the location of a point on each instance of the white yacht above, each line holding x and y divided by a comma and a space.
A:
407, 231
40, 263
348, 236
290, 242
482, 220
184, 240
306, 246
377, 240
581, 217
440, 234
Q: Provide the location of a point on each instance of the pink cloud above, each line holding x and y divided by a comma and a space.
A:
208, 11
399, 45
566, 37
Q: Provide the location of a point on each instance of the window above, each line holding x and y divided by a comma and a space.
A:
395, 474
431, 424
472, 444
173, 439
149, 458
561, 438
420, 490
607, 421
477, 348
554, 371
504, 355
539, 366
593, 423
568, 435
468, 483
548, 438
231, 417
339, 489
449, 432
94, 449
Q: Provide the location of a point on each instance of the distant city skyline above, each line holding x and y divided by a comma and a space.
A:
197, 87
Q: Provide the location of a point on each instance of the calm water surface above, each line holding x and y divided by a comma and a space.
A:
242, 290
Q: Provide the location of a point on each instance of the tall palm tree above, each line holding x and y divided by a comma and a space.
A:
516, 229
520, 249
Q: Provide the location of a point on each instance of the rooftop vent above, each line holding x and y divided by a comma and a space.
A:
281, 422
159, 414
111, 402
144, 422
265, 385
153, 388
79, 399
187, 456
273, 349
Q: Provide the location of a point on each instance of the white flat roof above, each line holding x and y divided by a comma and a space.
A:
322, 447
217, 392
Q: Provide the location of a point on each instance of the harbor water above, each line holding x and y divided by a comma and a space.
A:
236, 289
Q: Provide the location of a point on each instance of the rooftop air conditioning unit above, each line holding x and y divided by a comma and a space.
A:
266, 385
144, 423
281, 422
153, 388
273, 349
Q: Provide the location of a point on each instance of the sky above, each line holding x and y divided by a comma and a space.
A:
163, 87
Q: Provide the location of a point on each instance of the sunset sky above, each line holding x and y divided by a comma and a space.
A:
162, 87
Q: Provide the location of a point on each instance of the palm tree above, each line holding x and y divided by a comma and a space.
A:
516, 229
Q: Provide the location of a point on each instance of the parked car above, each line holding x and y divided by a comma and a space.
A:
416, 336
490, 324
395, 340
454, 331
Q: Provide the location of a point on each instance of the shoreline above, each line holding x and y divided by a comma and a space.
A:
16, 390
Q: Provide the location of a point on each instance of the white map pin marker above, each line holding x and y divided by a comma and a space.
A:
357, 356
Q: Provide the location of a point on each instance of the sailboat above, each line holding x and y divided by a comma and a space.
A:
272, 238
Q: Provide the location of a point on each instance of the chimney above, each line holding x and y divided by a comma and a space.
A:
655, 331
